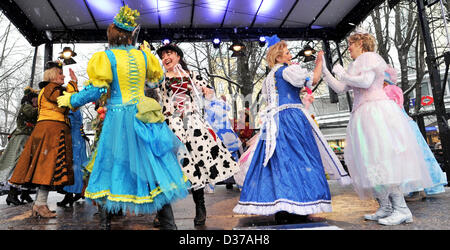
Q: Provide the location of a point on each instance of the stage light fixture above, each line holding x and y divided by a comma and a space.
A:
216, 43
66, 54
262, 41
308, 52
238, 49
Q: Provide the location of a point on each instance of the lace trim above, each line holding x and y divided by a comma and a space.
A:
131, 198
268, 208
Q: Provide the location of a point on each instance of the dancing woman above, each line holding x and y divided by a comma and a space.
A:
382, 153
46, 161
208, 161
286, 176
135, 167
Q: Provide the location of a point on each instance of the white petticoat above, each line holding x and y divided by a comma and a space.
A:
381, 150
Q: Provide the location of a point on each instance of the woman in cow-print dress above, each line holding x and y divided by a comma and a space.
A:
208, 161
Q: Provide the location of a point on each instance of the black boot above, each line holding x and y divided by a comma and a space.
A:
165, 217
12, 197
77, 197
25, 196
105, 219
68, 199
156, 222
297, 218
200, 209
282, 217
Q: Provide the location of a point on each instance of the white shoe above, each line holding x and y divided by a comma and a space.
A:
379, 214
401, 211
396, 218
384, 210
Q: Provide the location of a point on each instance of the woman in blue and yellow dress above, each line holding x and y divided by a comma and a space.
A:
136, 168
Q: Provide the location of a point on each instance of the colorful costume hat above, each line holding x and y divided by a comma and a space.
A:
126, 18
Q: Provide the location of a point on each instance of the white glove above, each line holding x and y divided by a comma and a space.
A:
325, 70
339, 71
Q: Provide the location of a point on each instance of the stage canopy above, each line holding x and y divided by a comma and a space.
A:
85, 21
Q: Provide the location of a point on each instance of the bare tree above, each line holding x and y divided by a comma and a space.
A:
14, 75
406, 25
381, 23
420, 71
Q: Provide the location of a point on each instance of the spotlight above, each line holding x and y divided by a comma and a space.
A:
308, 52
165, 41
262, 41
216, 43
237, 48
67, 55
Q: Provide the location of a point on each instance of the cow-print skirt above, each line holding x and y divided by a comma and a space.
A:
207, 160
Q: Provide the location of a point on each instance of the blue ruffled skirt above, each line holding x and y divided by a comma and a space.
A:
294, 179
79, 159
438, 177
136, 167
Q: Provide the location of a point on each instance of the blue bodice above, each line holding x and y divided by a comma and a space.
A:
287, 93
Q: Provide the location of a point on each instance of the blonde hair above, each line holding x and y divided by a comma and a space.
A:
368, 41
275, 51
51, 74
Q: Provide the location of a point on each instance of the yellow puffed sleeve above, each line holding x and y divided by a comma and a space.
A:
154, 69
99, 70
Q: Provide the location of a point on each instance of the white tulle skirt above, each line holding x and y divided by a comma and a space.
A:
382, 151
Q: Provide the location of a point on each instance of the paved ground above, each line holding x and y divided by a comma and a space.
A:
348, 210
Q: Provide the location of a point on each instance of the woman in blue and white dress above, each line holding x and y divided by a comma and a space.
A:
286, 176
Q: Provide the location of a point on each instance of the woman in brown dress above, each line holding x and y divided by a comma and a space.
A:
46, 161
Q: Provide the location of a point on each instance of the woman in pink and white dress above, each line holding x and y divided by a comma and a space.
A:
383, 157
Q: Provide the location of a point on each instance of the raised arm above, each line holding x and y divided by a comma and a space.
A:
297, 76
336, 85
363, 80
